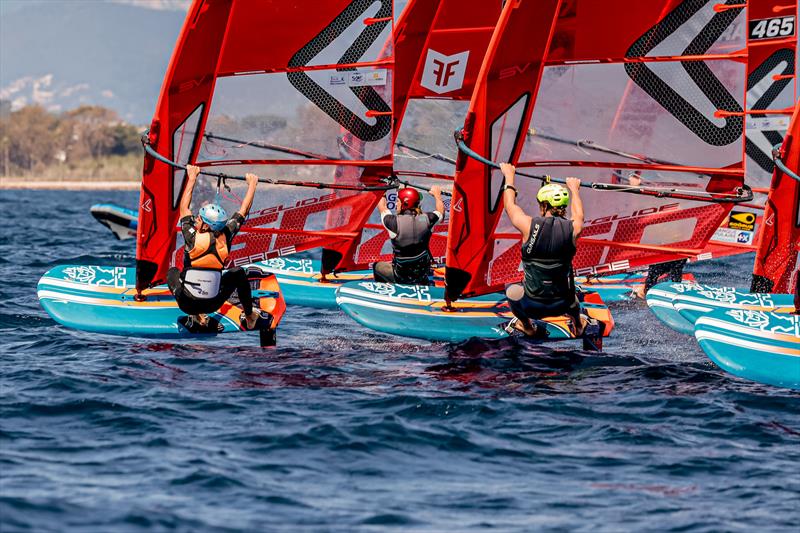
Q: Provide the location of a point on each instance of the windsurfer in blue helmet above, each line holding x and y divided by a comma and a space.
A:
410, 231
202, 287
548, 246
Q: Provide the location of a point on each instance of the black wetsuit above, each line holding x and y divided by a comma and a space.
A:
549, 286
410, 234
231, 280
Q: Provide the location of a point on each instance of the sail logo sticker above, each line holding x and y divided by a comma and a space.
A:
603, 269
742, 221
733, 236
359, 78
442, 73
769, 123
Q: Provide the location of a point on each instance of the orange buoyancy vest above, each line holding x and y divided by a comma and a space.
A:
206, 254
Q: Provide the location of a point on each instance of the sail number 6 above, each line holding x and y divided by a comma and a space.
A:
771, 28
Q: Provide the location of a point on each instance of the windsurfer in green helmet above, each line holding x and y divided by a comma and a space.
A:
548, 247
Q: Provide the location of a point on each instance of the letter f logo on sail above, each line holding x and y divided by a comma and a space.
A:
444, 74
443, 69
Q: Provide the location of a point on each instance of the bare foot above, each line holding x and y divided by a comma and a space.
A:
580, 327
638, 291
201, 319
527, 328
252, 319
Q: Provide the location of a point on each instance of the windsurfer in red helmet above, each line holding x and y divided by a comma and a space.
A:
410, 232
548, 245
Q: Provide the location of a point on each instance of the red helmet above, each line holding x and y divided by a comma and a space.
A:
408, 197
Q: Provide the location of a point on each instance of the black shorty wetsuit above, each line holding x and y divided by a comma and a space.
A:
234, 279
410, 234
549, 286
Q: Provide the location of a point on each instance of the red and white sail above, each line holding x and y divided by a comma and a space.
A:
662, 84
439, 48
778, 257
771, 34
298, 95
502, 102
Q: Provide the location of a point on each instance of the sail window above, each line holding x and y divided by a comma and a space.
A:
503, 139
183, 140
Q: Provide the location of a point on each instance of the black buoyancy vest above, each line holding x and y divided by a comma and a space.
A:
547, 259
412, 259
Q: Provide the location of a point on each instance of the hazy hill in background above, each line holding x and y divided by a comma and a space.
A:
62, 54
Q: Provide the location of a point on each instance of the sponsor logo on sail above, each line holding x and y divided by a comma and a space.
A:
741, 220
444, 74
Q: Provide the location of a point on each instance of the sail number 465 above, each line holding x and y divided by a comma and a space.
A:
771, 28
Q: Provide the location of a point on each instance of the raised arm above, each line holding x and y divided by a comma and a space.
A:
518, 218
192, 172
436, 192
383, 209
247, 202
576, 206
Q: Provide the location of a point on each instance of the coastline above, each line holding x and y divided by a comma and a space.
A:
87, 185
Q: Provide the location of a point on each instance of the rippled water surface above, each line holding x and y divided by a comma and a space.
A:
341, 428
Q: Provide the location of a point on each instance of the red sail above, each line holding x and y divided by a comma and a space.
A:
500, 109
439, 48
777, 260
646, 94
771, 93
297, 95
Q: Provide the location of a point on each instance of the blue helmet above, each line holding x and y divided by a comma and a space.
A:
214, 216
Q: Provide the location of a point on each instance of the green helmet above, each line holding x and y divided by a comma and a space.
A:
553, 194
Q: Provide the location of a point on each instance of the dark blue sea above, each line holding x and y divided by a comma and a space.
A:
344, 429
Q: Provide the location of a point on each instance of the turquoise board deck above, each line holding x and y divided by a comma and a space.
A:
618, 287
420, 312
659, 299
755, 345
301, 282
101, 299
680, 305
701, 300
